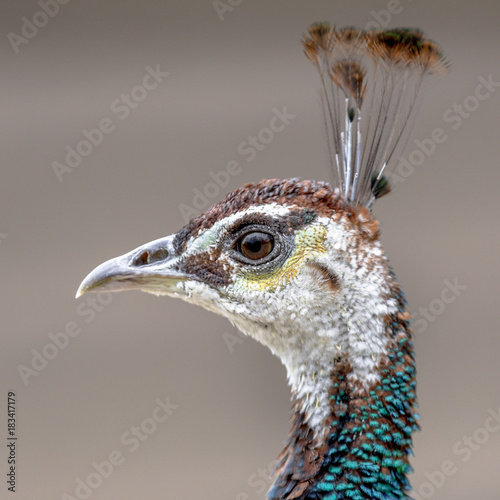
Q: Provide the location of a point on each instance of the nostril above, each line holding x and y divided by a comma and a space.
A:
157, 255
145, 258
141, 259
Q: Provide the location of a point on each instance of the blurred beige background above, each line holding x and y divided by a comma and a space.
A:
440, 228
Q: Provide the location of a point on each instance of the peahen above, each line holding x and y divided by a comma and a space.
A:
298, 266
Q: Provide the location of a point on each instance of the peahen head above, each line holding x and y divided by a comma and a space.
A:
299, 266
296, 267
291, 264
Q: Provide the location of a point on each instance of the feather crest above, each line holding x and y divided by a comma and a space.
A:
371, 83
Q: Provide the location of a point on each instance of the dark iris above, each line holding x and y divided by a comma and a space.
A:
255, 246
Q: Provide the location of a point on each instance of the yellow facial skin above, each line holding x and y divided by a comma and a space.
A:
309, 243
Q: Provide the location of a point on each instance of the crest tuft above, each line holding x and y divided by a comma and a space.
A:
370, 88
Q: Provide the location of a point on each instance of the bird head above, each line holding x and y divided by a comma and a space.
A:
290, 263
299, 267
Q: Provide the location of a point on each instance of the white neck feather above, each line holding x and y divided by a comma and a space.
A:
308, 327
309, 340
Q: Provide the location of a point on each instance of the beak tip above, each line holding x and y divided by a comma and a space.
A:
81, 290
97, 279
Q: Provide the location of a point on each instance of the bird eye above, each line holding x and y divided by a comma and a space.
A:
256, 245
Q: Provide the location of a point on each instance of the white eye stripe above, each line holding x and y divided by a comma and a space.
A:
209, 237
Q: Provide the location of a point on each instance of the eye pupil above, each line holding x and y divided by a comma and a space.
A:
253, 244
256, 245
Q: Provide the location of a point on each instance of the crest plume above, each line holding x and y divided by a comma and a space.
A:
371, 82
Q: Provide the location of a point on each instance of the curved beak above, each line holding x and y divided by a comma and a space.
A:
152, 268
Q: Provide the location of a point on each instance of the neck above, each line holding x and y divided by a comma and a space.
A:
351, 435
